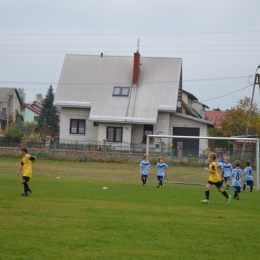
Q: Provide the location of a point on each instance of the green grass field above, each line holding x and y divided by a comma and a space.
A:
74, 218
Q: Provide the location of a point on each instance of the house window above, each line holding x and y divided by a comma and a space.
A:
77, 126
148, 129
3, 125
4, 111
121, 91
114, 134
96, 124
36, 118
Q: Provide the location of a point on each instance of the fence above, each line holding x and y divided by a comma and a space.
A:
67, 150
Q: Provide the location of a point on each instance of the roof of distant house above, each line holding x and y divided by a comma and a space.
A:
216, 116
37, 105
89, 81
5, 93
31, 108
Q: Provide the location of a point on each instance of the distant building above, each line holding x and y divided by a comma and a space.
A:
122, 99
216, 116
31, 112
191, 106
10, 104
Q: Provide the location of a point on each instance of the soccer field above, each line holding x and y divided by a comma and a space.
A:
74, 218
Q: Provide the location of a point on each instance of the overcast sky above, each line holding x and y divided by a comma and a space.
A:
217, 40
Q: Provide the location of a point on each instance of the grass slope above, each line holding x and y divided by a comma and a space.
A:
74, 218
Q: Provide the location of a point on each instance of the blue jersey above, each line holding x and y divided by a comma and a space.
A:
145, 165
161, 167
249, 173
227, 167
221, 160
237, 175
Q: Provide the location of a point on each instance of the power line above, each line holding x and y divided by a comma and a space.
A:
108, 46
126, 51
80, 83
113, 34
227, 94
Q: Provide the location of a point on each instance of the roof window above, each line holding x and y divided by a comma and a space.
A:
121, 91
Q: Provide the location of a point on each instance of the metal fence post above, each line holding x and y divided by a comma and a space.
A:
54, 150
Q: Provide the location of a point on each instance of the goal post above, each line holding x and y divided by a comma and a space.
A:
174, 147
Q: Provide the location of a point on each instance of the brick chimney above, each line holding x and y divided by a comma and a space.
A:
136, 69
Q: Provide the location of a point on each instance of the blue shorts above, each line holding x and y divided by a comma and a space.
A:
249, 183
227, 179
237, 188
160, 178
144, 175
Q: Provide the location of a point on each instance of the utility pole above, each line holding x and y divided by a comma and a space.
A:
256, 82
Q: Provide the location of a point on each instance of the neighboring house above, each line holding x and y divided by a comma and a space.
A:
122, 99
216, 116
31, 112
191, 106
10, 104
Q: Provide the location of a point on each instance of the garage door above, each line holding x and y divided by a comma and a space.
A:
190, 146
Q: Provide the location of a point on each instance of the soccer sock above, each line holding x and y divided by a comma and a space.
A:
244, 187
160, 183
145, 180
207, 194
142, 180
251, 188
224, 194
222, 182
26, 187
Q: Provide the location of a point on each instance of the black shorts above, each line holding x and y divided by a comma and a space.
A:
217, 184
25, 178
250, 183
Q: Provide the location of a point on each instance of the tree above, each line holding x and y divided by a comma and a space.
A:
237, 118
39, 98
22, 95
13, 134
48, 122
19, 121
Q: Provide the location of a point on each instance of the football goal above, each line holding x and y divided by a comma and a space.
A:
187, 155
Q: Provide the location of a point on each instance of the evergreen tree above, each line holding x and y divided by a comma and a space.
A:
48, 122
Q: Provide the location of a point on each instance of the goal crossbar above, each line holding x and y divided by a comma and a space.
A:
213, 138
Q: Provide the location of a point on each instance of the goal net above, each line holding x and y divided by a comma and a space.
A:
187, 155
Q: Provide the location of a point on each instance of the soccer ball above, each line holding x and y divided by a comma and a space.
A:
219, 164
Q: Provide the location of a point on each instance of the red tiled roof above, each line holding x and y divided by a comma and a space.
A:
31, 108
215, 116
37, 105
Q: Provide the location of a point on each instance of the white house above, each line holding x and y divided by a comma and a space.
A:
10, 104
122, 99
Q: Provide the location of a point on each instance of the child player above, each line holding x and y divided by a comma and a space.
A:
236, 182
161, 166
26, 164
144, 169
214, 179
220, 163
226, 171
249, 177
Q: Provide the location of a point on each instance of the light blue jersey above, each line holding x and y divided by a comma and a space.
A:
161, 167
145, 165
237, 175
249, 173
227, 167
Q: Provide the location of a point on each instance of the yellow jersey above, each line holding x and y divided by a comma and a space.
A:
214, 177
27, 161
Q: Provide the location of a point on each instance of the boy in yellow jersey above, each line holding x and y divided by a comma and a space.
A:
214, 179
26, 164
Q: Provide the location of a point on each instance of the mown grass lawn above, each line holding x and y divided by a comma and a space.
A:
74, 218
